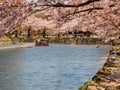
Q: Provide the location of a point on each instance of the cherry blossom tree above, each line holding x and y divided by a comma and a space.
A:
11, 17
95, 15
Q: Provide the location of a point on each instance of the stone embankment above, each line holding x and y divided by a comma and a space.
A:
20, 45
108, 78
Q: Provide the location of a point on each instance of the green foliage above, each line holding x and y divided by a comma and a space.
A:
84, 86
12, 37
81, 88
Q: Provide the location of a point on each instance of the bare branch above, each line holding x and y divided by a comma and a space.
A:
90, 9
67, 5
40, 10
116, 26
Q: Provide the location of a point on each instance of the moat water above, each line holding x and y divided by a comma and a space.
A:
57, 67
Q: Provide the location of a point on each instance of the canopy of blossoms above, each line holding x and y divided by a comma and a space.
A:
102, 16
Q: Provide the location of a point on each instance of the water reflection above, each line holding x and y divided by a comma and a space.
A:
57, 67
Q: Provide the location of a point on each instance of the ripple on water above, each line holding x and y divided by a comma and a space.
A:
57, 67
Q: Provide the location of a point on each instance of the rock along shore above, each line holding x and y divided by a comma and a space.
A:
108, 78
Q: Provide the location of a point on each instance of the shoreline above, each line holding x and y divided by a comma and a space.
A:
28, 45
83, 44
108, 77
20, 45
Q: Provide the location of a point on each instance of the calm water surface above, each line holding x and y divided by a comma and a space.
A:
57, 67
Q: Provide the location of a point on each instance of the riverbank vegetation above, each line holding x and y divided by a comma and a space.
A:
84, 87
68, 37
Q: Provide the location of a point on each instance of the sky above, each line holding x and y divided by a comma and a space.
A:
30, 0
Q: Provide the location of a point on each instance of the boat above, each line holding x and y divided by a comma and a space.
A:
42, 42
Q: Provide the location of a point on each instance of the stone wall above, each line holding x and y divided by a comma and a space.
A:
76, 41
5, 43
108, 78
